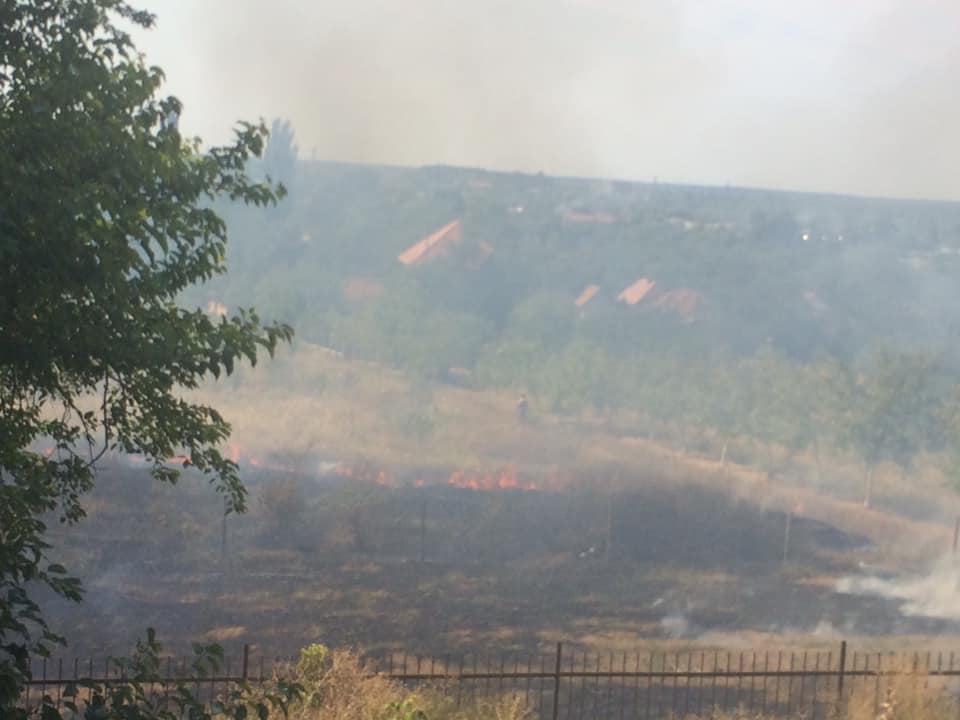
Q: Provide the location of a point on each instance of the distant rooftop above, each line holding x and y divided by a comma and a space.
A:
433, 245
602, 218
637, 291
587, 295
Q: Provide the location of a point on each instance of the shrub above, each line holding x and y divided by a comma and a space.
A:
136, 698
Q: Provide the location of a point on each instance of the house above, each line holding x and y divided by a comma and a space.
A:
682, 301
636, 292
577, 217
362, 289
434, 245
587, 295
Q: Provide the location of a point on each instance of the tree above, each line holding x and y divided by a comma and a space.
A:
105, 219
831, 386
280, 155
895, 411
779, 406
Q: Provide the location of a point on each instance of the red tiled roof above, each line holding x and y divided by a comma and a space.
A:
358, 289
587, 295
603, 218
683, 301
636, 292
433, 245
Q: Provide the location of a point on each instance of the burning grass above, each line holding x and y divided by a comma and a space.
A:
315, 405
358, 561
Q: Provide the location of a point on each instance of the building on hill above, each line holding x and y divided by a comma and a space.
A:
362, 289
589, 292
636, 292
433, 245
597, 218
480, 254
685, 302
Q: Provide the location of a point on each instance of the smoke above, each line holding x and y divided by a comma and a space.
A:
499, 84
855, 97
934, 595
677, 625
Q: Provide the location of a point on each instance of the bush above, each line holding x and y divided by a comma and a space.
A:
337, 685
136, 698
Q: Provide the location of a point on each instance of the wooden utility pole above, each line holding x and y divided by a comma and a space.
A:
609, 542
786, 536
423, 530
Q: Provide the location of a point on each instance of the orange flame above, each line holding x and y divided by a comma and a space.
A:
504, 479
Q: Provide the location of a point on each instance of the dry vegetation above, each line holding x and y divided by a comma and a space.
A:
908, 696
503, 570
338, 686
311, 403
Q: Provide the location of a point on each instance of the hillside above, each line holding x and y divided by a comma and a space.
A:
733, 268
818, 324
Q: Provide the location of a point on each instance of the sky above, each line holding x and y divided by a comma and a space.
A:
852, 96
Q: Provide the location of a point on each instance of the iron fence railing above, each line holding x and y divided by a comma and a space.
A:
577, 684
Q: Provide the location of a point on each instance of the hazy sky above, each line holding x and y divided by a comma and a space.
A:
855, 96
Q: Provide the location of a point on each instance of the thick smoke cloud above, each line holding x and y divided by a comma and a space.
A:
853, 97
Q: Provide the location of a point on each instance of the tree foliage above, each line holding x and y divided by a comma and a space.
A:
105, 218
895, 409
136, 697
280, 154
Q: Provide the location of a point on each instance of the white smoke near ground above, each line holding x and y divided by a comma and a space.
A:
933, 595
677, 625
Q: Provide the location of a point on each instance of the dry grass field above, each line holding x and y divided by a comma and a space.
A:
403, 559
311, 404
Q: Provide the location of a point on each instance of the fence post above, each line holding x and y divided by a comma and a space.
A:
841, 673
556, 682
246, 661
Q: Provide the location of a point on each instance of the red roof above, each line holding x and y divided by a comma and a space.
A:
603, 218
433, 245
636, 292
683, 301
587, 295
359, 289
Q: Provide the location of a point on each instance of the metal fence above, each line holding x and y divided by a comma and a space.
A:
571, 684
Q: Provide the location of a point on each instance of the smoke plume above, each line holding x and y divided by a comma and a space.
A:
853, 97
934, 595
